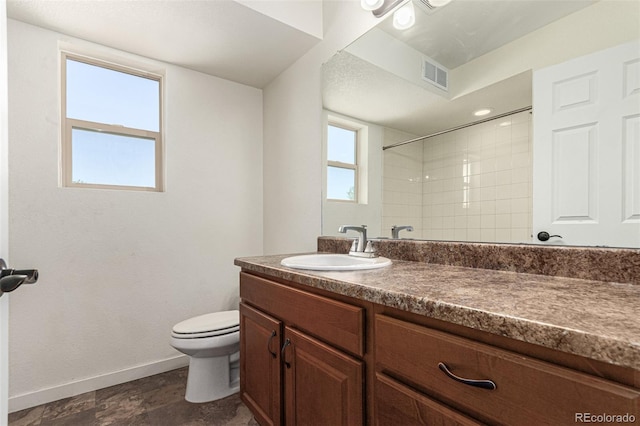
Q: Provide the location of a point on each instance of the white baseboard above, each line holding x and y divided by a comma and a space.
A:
42, 396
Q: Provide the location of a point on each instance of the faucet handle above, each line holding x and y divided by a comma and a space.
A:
369, 248
354, 245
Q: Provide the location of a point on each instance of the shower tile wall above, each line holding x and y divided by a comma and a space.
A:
475, 183
402, 184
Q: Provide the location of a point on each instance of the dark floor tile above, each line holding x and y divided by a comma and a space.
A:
28, 417
137, 420
169, 378
181, 413
120, 408
223, 411
68, 406
151, 401
163, 395
123, 390
227, 411
82, 418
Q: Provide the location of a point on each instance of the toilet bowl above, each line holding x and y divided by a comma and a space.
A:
212, 342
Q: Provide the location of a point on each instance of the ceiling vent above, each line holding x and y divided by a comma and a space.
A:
431, 6
435, 73
426, 6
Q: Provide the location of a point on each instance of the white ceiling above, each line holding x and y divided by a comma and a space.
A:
454, 35
358, 89
219, 37
466, 29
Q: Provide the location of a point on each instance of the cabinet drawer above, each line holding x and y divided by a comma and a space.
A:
397, 404
337, 323
528, 391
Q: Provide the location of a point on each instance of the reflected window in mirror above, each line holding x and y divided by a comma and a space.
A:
342, 162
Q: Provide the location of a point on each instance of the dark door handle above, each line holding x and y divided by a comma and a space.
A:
544, 236
11, 282
11, 279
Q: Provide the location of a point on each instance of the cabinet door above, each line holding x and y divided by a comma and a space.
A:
260, 374
323, 386
397, 404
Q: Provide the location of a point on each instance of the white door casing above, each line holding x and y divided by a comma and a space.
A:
4, 222
586, 151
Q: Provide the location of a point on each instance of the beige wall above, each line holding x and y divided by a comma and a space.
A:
119, 268
368, 209
293, 136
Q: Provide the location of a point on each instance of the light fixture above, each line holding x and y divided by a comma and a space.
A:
371, 4
404, 17
482, 112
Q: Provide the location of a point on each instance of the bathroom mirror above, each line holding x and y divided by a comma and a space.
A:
466, 181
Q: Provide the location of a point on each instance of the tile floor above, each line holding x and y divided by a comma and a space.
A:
154, 401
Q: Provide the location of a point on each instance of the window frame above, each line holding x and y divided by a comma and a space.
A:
342, 165
68, 124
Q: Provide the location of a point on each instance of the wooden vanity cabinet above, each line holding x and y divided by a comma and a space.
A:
504, 388
260, 375
304, 361
300, 356
323, 386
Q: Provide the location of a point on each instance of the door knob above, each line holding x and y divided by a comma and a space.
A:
544, 236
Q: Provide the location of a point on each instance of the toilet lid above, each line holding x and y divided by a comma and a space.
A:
218, 321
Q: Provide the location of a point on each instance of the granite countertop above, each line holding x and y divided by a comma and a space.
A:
594, 319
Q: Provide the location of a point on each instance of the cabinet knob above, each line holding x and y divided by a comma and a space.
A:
484, 384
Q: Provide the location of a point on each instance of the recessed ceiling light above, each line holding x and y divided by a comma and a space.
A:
371, 4
483, 111
404, 17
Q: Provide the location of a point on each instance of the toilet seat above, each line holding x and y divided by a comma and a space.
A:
208, 325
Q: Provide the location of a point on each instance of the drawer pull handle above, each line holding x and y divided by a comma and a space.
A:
273, 334
286, 343
484, 384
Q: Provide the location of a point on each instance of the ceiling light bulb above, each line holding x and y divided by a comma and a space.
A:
371, 4
404, 17
481, 112
438, 3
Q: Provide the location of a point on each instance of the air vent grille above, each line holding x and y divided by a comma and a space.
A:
435, 73
426, 5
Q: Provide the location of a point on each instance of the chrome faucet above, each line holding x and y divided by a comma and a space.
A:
360, 247
395, 230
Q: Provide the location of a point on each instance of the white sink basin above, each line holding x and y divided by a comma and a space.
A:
334, 262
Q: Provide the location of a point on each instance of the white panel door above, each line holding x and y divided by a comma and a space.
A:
586, 149
4, 240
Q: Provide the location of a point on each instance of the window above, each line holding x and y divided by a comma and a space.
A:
111, 126
342, 163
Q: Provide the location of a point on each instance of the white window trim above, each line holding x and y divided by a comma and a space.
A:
68, 124
341, 124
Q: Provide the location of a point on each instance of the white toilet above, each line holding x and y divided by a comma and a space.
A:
212, 342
